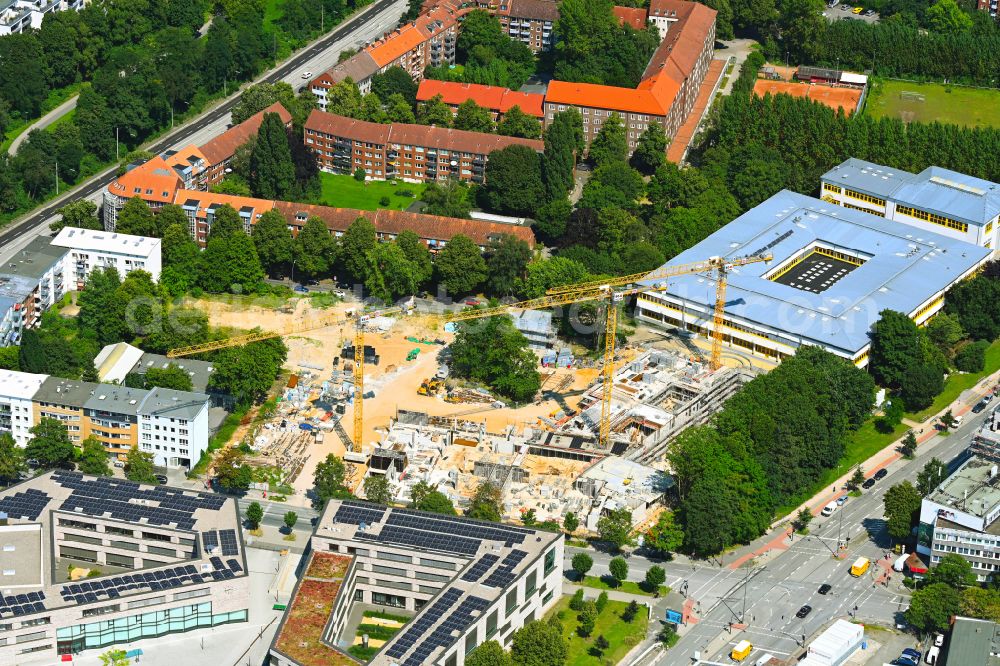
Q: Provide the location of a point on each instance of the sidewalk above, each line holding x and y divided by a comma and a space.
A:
43, 122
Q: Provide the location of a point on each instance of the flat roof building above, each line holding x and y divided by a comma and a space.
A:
833, 271
91, 562
973, 642
30, 283
87, 250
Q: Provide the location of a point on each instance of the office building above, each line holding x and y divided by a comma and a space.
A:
92, 562
833, 271
464, 581
496, 99
412, 153
936, 200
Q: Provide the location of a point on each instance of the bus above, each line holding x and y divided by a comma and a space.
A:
860, 566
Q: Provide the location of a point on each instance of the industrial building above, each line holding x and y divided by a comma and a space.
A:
463, 581
90, 562
834, 270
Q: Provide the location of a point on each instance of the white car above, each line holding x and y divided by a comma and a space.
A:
938, 640
307, 75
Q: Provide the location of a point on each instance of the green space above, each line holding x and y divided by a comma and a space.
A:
55, 98
960, 381
343, 191
621, 636
376, 632
628, 586
273, 11
972, 107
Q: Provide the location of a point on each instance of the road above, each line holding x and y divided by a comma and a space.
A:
790, 579
369, 24
43, 122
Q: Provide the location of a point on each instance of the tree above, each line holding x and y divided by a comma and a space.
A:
50, 444
932, 607
895, 348
506, 259
945, 16
22, 79
602, 601
139, 466
909, 446
902, 509
230, 263
460, 266
395, 81
450, 199
611, 143
390, 274
115, 658
257, 97
563, 142
945, 331
587, 619
582, 563
429, 498
254, 514
489, 653
231, 470
514, 180
418, 254
802, 26
81, 214
655, 577
485, 503
330, 480
12, 464
377, 489
615, 527
972, 357
630, 612
492, 351
570, 522
576, 601
358, 240
272, 171
651, 149
538, 644
137, 219
921, 383
619, 569
398, 110
290, 519
344, 99
857, 478
181, 260
952, 570
981, 603
314, 248
666, 536
473, 118
802, 519
94, 458
273, 241
516, 122
171, 377
931, 476
434, 112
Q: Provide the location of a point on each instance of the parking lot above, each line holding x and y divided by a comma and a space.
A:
845, 11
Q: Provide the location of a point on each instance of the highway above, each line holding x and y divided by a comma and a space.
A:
365, 26
785, 581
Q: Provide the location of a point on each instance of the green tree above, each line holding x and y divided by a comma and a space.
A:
945, 16
492, 351
290, 519
137, 219
576, 601
460, 266
12, 464
615, 527
395, 81
418, 254
506, 260
330, 480
972, 357
932, 607
485, 503
171, 377
857, 478
227, 223
246, 373
582, 563
909, 445
587, 619
254, 514
81, 214
344, 99
544, 274
9, 358
390, 274
272, 171
570, 522
619, 569
602, 601
230, 263
115, 658
358, 240
952, 570
981, 603
139, 466
513, 181
902, 509
426, 497
802, 27
655, 577
257, 97
563, 140
651, 149
473, 118
377, 489
434, 112
94, 458
921, 383
538, 644
611, 143
931, 476
516, 122
181, 260
314, 249
450, 199
489, 653
398, 110
802, 519
50, 444
945, 331
666, 536
273, 242
232, 471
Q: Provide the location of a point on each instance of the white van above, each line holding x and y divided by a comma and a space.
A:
829, 509
932, 655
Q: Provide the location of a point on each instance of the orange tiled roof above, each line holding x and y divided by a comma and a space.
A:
678, 53
205, 200
397, 44
608, 97
633, 16
495, 98
222, 147
185, 155
154, 181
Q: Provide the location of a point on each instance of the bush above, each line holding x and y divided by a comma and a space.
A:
384, 201
404, 193
576, 601
972, 357
602, 601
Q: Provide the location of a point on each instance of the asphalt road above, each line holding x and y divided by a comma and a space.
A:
371, 23
790, 579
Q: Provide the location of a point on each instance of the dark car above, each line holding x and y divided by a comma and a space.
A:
824, 588
881, 474
912, 654
868, 483
905, 661
161, 478
979, 406
805, 610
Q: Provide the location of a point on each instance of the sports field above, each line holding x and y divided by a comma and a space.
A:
832, 96
926, 102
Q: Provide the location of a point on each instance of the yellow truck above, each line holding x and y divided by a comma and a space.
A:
860, 566
741, 651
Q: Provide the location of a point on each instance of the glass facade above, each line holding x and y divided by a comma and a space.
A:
94, 635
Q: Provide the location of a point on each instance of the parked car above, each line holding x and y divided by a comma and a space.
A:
868, 483
161, 478
302, 289
307, 75
841, 501
905, 661
824, 588
938, 640
119, 464
879, 475
472, 301
979, 406
870, 12
910, 653
805, 610
857, 10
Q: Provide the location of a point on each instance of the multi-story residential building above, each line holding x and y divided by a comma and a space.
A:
530, 21
200, 208
465, 582
173, 426
87, 250
496, 99
30, 282
16, 408
21, 15
669, 86
153, 181
413, 153
160, 561
935, 200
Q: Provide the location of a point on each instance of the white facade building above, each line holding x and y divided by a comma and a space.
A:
173, 426
21, 15
16, 408
89, 249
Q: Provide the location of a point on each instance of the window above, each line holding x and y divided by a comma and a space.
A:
864, 197
511, 601
420, 575
471, 641
550, 561
393, 571
192, 594
491, 625
530, 585
103, 610
438, 564
933, 218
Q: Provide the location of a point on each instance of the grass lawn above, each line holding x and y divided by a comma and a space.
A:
621, 636
629, 586
972, 107
342, 191
958, 382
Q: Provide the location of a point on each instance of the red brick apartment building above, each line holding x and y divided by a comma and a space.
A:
530, 21
495, 98
413, 153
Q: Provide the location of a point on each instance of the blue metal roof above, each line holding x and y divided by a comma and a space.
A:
875, 179
906, 267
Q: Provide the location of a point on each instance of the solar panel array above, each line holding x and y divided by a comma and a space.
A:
27, 505
424, 540
444, 634
113, 587
358, 512
482, 565
503, 575
22, 604
419, 627
457, 526
127, 500
210, 540
229, 542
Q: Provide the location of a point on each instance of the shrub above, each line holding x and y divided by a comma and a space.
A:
972, 357
384, 201
404, 193
576, 601
602, 601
